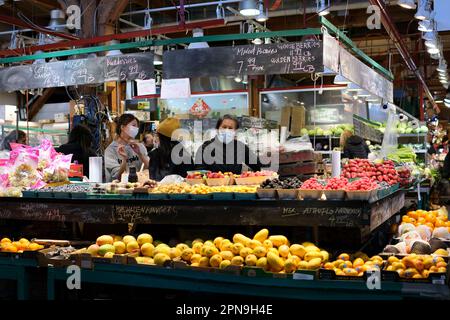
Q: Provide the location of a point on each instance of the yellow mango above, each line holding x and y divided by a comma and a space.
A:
261, 235
275, 262
312, 255
240, 238
298, 250
278, 240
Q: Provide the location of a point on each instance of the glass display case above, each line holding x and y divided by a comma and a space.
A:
36, 134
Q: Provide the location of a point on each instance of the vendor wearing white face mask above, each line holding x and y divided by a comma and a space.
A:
225, 153
125, 152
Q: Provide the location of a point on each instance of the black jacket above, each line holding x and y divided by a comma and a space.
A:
169, 167
446, 167
213, 154
356, 147
78, 155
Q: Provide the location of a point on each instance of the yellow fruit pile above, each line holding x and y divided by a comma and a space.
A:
416, 266
20, 246
343, 266
201, 189
173, 188
272, 253
432, 219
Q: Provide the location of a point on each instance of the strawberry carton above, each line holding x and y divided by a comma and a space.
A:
312, 189
361, 189
335, 188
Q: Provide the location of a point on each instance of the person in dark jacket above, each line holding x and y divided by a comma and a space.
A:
354, 146
169, 157
80, 146
224, 153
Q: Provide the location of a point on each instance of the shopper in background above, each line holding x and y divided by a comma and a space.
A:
149, 142
15, 136
224, 152
353, 146
169, 156
125, 152
80, 146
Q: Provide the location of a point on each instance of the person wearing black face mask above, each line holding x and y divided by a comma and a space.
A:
225, 153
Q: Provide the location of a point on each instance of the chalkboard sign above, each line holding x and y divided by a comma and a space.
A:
279, 58
77, 72
365, 131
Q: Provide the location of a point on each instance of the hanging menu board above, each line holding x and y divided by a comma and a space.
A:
77, 72
365, 131
278, 58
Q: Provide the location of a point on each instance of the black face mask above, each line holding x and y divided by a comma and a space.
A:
149, 148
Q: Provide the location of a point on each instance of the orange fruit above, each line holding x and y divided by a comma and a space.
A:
421, 220
413, 214
406, 219
422, 214
447, 223
429, 224
439, 223
430, 218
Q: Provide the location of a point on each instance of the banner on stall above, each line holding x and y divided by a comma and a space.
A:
88, 71
278, 58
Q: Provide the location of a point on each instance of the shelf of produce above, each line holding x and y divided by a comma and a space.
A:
312, 213
221, 283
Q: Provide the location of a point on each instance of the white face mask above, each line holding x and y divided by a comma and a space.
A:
226, 135
132, 131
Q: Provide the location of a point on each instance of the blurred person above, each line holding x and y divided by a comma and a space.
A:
353, 146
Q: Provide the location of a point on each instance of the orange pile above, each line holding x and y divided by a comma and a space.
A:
6, 245
432, 219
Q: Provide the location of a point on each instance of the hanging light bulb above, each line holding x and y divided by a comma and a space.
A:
238, 79
197, 33
323, 7
245, 79
433, 50
148, 20
423, 11
248, 8
442, 66
407, 4
220, 11
257, 41
425, 26
263, 16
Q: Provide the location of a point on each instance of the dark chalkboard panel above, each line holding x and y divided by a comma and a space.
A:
279, 58
78, 72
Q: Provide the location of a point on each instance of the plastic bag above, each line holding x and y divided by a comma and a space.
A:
172, 179
23, 165
46, 154
298, 144
390, 141
58, 170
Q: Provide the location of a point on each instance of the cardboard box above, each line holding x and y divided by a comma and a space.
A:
298, 115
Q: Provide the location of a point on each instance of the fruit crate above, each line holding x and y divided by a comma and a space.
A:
195, 181
433, 277
310, 194
359, 195
335, 195
235, 270
254, 272
326, 274
45, 259
287, 194
266, 193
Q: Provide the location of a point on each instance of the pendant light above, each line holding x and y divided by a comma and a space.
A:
263, 15
407, 4
423, 11
442, 66
323, 7
248, 8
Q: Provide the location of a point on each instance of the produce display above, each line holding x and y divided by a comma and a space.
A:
363, 184
416, 266
184, 188
337, 183
405, 178
313, 184
403, 154
333, 131
6, 245
286, 183
355, 266
378, 170
273, 253
69, 188
423, 232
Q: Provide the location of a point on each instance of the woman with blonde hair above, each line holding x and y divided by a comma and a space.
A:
353, 146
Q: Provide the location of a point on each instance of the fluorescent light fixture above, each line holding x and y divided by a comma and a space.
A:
339, 79
196, 33
407, 4
423, 12
248, 8
323, 7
